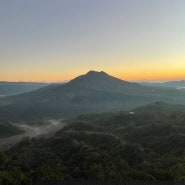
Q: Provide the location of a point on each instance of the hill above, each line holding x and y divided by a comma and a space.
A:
92, 92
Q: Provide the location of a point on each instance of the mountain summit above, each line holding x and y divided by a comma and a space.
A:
93, 76
104, 82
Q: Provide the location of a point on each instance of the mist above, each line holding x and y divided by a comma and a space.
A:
46, 130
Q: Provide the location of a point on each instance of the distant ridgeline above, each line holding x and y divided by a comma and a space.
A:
171, 84
13, 88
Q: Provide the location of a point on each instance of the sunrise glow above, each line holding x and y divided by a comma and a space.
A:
59, 40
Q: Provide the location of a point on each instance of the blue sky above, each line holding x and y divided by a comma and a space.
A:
44, 40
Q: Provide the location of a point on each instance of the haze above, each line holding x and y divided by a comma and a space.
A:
57, 40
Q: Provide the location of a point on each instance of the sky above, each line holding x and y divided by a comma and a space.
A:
56, 40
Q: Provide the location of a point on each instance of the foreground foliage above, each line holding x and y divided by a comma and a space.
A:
146, 145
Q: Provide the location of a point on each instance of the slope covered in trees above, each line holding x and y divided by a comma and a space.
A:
145, 145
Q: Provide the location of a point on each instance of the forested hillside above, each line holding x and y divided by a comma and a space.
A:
146, 144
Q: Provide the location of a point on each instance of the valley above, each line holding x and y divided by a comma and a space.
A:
93, 127
92, 92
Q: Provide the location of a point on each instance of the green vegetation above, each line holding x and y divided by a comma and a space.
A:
148, 144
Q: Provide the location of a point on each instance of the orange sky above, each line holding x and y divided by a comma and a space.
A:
59, 40
129, 75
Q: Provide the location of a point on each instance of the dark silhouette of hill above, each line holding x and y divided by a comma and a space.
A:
92, 92
103, 81
160, 107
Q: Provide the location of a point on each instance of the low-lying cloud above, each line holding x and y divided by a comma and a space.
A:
46, 130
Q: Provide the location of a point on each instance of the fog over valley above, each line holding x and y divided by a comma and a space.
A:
47, 129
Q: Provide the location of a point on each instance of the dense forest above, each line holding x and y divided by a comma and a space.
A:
145, 144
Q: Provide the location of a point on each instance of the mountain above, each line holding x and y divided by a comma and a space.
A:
92, 92
103, 81
13, 88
